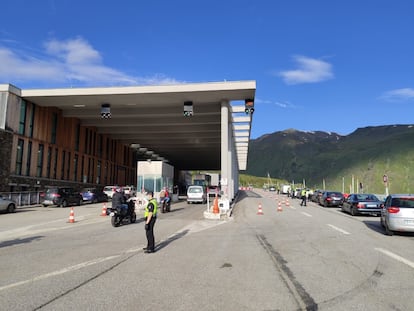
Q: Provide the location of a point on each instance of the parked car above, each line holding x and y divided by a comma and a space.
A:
272, 188
109, 190
331, 198
213, 191
7, 205
296, 193
129, 191
93, 195
361, 203
397, 213
61, 196
315, 197
196, 194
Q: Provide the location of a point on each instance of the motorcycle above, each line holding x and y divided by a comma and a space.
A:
123, 213
166, 205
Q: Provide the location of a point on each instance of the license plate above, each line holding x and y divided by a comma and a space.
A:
409, 222
371, 205
112, 214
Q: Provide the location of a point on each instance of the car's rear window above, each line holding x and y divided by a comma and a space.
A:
195, 190
367, 197
403, 202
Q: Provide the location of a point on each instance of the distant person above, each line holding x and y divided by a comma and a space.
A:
118, 198
150, 215
165, 195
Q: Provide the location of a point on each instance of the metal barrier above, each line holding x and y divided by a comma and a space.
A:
23, 198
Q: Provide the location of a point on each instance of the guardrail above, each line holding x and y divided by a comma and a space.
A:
23, 198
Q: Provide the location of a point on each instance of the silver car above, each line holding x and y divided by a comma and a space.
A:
7, 205
398, 213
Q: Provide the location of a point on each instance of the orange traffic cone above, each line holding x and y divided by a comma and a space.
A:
287, 202
215, 206
103, 210
279, 207
71, 215
259, 210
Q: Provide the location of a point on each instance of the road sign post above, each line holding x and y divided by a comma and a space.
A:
385, 180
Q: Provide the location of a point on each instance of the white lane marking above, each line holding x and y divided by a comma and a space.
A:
338, 229
26, 231
396, 257
62, 271
306, 214
192, 228
201, 225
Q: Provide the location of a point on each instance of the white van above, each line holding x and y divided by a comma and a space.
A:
196, 194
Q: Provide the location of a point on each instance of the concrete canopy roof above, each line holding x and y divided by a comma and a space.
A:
150, 118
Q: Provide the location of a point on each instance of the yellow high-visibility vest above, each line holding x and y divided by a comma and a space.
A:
154, 202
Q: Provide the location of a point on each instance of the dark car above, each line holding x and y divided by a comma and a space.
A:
61, 196
331, 198
93, 195
362, 203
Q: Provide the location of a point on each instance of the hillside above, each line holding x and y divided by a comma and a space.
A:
320, 157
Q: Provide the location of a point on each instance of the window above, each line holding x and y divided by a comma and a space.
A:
62, 172
31, 124
29, 159
22, 122
75, 164
40, 161
55, 160
100, 144
94, 144
68, 167
19, 157
85, 147
99, 172
107, 148
77, 137
49, 161
54, 128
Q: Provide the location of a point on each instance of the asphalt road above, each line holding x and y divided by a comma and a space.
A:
300, 258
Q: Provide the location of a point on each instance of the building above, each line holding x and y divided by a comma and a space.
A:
95, 136
40, 147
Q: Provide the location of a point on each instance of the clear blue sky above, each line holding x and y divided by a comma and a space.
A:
319, 64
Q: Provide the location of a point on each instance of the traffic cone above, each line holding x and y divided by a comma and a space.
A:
103, 210
71, 215
287, 202
215, 206
259, 210
279, 207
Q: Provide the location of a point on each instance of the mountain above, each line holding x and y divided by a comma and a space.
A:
338, 161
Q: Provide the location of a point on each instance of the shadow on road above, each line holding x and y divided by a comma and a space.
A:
20, 241
244, 194
171, 239
173, 210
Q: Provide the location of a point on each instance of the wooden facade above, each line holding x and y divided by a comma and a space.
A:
49, 148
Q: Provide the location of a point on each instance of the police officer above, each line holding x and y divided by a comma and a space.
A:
150, 215
303, 196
